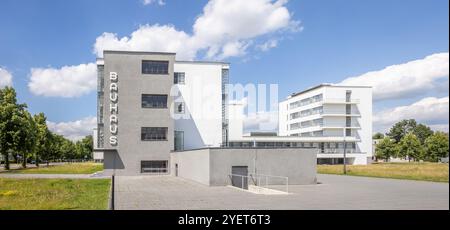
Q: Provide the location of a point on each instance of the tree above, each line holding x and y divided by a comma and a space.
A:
436, 146
422, 132
400, 129
386, 149
410, 147
378, 136
86, 147
43, 137
24, 139
55, 147
10, 110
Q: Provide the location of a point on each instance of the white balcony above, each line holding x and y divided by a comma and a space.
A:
342, 101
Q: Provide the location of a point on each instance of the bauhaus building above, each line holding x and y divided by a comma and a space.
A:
158, 115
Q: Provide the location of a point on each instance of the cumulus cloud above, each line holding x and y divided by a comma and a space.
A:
5, 78
430, 111
403, 80
74, 130
68, 81
226, 28
163, 38
159, 2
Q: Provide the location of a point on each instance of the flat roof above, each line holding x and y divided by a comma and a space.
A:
162, 53
203, 62
326, 85
137, 52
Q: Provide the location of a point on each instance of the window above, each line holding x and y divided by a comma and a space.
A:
295, 115
154, 101
348, 132
154, 166
153, 133
155, 67
179, 107
295, 126
348, 109
179, 140
178, 78
348, 121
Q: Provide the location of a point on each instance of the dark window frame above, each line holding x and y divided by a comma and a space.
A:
154, 136
155, 166
155, 67
149, 105
177, 76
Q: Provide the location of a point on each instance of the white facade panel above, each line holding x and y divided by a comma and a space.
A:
202, 97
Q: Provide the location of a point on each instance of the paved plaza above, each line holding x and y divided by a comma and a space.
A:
333, 192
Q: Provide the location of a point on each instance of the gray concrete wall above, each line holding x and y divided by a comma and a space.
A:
298, 164
132, 84
193, 165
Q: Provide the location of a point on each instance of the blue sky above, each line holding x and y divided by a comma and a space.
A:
333, 41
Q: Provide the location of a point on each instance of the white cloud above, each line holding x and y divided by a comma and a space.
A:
74, 130
148, 2
68, 81
5, 78
403, 80
266, 46
158, 38
226, 28
430, 111
261, 121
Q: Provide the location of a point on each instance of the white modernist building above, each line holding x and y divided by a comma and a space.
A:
160, 116
327, 116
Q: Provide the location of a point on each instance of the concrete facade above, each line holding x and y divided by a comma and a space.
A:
212, 166
125, 157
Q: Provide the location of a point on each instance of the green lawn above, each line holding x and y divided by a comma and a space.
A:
68, 168
51, 194
437, 172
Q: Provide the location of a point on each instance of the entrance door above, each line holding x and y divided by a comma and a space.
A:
239, 176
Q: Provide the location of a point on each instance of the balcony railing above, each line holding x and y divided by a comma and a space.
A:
340, 100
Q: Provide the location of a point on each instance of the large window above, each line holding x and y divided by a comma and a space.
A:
154, 133
155, 67
154, 101
154, 166
179, 78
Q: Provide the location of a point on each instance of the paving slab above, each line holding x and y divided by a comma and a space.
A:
333, 193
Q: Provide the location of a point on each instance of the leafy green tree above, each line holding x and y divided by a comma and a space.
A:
10, 111
436, 146
68, 149
85, 147
386, 149
401, 128
410, 147
422, 132
24, 139
42, 139
378, 136
55, 147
